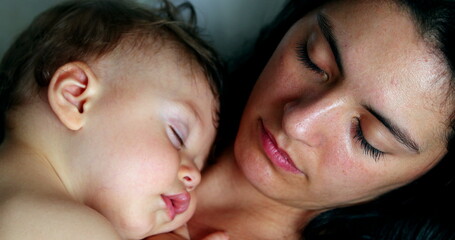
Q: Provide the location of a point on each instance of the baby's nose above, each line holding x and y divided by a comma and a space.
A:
189, 175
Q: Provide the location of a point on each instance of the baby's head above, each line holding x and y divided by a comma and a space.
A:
134, 97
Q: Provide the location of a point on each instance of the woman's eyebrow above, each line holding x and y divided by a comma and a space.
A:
327, 30
397, 132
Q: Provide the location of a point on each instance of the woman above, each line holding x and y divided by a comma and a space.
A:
356, 101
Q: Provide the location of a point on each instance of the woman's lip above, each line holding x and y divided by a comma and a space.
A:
278, 156
177, 203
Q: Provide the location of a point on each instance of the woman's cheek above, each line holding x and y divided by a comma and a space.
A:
342, 163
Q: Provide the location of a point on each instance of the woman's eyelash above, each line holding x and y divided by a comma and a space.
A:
302, 54
367, 148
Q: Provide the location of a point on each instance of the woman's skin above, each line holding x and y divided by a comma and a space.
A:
338, 126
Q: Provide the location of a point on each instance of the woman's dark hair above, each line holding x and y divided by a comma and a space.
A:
421, 210
84, 30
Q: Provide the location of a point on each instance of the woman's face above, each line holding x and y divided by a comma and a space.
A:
349, 106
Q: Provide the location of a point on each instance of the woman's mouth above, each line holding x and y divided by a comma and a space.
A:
278, 156
177, 204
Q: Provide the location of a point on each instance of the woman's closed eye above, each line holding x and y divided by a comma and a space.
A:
368, 149
304, 57
302, 54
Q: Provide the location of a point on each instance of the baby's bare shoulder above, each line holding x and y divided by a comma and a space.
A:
34, 216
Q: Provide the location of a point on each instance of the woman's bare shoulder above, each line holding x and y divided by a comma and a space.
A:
29, 215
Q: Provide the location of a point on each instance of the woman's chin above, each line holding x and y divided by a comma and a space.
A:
253, 164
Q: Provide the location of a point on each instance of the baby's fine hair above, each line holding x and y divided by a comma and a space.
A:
84, 30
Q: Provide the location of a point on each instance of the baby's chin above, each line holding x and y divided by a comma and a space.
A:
142, 231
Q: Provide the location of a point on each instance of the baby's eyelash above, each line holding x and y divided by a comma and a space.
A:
179, 138
302, 54
367, 148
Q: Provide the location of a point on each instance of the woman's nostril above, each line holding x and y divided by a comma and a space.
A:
290, 106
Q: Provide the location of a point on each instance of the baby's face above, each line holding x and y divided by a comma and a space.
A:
149, 138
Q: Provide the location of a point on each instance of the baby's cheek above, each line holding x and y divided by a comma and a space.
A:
154, 160
158, 172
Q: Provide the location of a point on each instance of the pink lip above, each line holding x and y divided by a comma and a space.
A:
278, 157
177, 204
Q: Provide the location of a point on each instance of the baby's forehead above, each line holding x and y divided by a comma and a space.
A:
154, 50
164, 58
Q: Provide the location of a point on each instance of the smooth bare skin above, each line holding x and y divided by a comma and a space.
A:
387, 67
91, 158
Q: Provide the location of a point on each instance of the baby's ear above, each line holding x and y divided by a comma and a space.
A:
71, 92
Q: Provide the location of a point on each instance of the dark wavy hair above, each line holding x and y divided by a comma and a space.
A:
84, 30
423, 209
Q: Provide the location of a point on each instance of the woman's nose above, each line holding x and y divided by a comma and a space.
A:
312, 120
189, 175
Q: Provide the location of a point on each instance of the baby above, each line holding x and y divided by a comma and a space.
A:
108, 110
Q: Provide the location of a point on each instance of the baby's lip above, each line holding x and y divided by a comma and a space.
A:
177, 203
